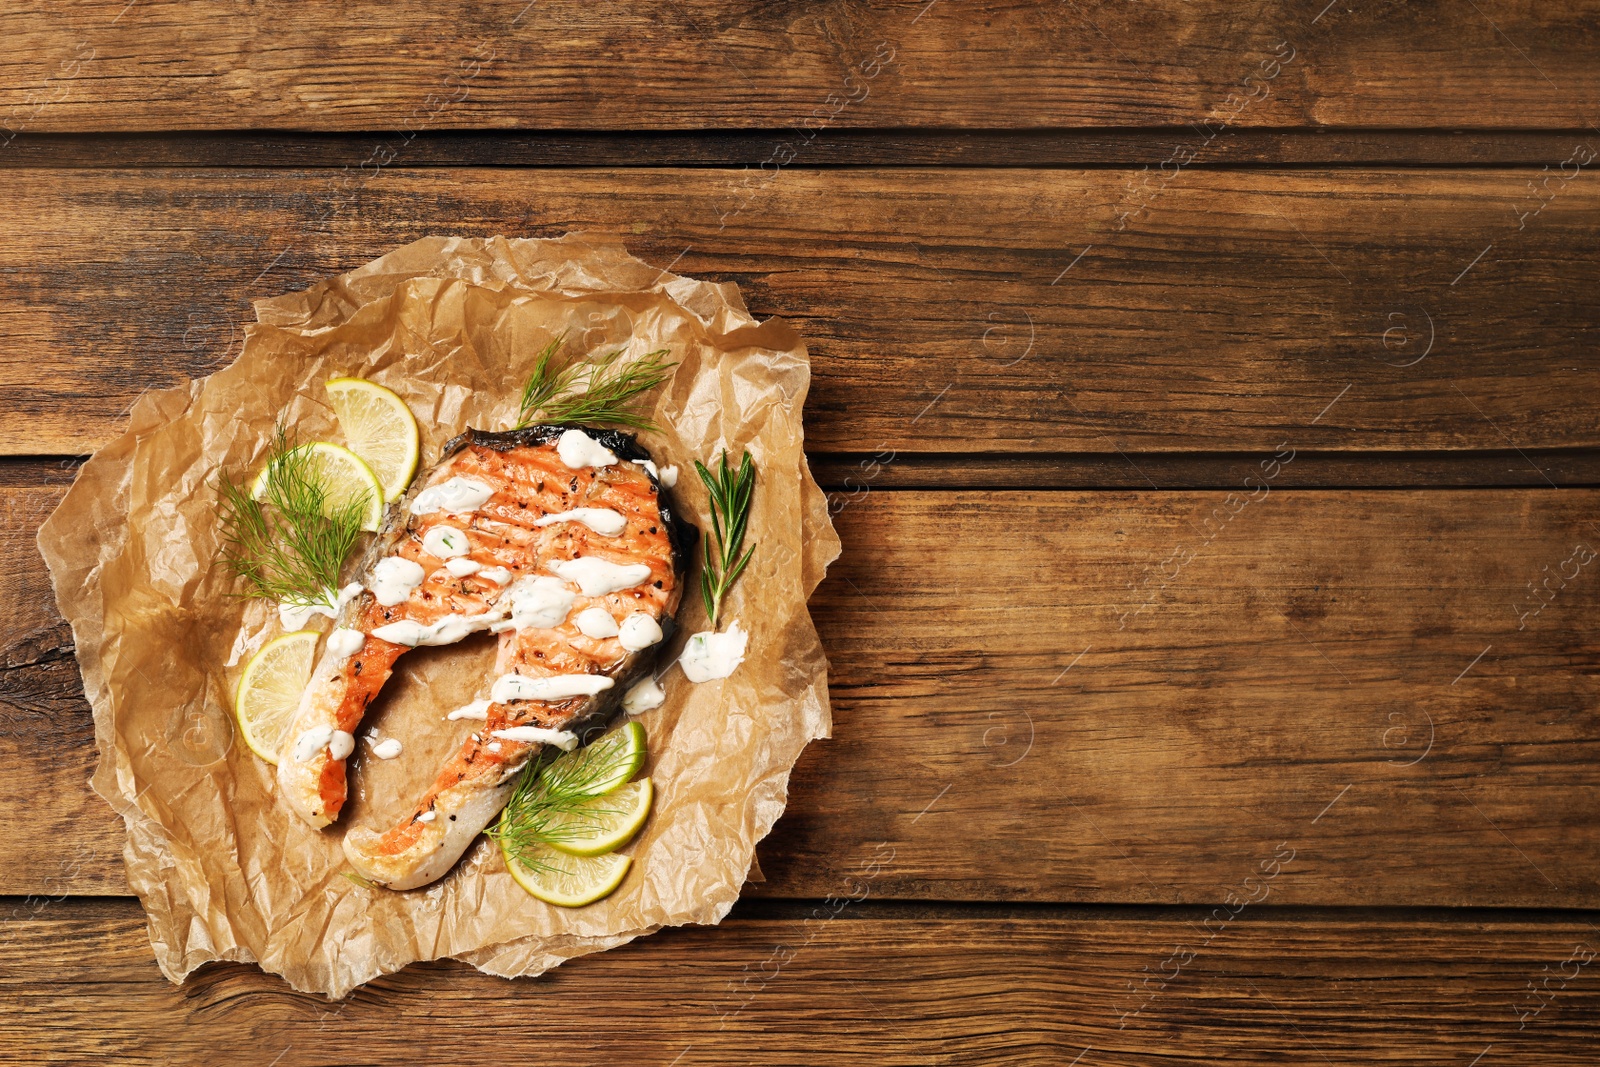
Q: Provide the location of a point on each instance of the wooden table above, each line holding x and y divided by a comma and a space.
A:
1208, 396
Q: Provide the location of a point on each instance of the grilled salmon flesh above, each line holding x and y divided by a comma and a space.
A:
560, 539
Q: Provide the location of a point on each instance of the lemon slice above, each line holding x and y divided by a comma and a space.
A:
380, 429
603, 824
269, 691
568, 881
610, 761
343, 476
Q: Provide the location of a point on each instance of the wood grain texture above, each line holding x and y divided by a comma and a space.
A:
946, 311
111, 65
1129, 697
865, 987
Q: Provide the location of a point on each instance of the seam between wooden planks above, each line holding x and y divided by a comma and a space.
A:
1104, 148
860, 472
787, 909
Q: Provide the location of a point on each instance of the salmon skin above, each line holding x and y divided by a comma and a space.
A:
560, 538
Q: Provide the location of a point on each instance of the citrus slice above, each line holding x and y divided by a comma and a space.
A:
608, 763
379, 427
269, 691
602, 824
568, 881
343, 476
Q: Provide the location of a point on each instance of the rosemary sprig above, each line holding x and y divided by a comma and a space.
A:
730, 514
597, 392
284, 547
555, 801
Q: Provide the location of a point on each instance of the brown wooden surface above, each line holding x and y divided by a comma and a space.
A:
869, 985
1040, 370
693, 64
1346, 672
1229, 314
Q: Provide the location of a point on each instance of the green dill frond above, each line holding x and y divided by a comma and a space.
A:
597, 393
554, 801
283, 546
545, 384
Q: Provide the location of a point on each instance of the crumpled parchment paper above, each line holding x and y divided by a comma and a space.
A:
452, 325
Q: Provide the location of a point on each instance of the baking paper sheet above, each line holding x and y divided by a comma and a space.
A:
452, 325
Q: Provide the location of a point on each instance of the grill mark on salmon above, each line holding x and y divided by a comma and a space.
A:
529, 481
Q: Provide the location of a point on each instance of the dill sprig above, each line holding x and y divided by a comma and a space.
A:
597, 392
731, 492
558, 799
284, 546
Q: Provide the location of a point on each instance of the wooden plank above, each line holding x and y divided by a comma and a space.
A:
1000, 311
869, 987
1044, 716
508, 64
841, 147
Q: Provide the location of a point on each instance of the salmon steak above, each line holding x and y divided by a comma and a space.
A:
560, 539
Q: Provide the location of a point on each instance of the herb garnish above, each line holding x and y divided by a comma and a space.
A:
284, 546
559, 798
597, 391
730, 513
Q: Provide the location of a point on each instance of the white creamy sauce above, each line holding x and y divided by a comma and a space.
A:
577, 449
341, 744
427, 816
511, 687
394, 579
493, 746
346, 643
597, 577
710, 655
667, 476
642, 696
497, 575
639, 631
539, 603
457, 495
388, 748
461, 567
538, 735
447, 631
445, 542
600, 520
295, 614
308, 744
596, 623
478, 709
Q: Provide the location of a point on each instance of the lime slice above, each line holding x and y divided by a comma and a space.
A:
603, 824
610, 761
343, 476
380, 429
269, 691
568, 881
